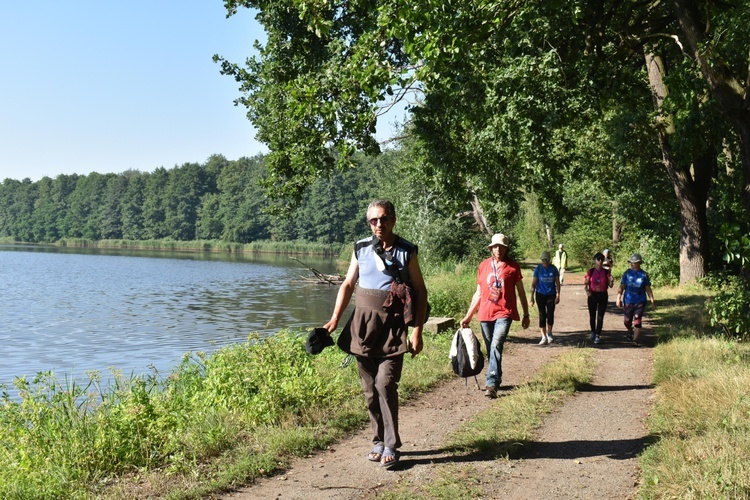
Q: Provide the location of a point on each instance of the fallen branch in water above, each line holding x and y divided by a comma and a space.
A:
331, 279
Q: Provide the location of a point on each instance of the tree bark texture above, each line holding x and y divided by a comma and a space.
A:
691, 188
479, 217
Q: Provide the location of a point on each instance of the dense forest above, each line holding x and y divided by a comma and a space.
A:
216, 200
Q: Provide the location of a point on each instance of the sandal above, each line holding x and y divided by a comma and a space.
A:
391, 454
376, 454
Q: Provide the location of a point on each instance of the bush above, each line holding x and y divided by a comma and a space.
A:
584, 238
727, 310
660, 257
450, 289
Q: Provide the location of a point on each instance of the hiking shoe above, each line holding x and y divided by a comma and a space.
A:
592, 336
597, 340
543, 341
629, 335
490, 392
549, 338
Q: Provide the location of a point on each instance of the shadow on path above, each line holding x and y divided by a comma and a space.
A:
622, 449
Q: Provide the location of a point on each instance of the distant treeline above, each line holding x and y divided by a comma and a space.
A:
219, 200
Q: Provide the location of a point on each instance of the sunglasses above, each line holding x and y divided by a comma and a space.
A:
384, 219
545, 260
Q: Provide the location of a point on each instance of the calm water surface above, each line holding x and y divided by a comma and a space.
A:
70, 312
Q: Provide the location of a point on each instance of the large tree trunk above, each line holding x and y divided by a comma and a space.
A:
731, 95
691, 190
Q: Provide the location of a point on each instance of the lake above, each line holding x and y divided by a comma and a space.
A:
75, 310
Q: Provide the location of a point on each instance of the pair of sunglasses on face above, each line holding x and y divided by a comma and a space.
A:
384, 219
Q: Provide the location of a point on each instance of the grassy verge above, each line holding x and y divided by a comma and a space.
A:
280, 247
520, 413
217, 421
702, 413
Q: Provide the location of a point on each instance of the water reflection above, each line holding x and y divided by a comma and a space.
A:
70, 312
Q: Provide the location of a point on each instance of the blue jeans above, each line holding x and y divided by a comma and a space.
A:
495, 333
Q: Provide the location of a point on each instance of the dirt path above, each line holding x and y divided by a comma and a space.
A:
586, 449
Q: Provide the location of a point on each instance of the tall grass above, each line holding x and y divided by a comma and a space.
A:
215, 421
450, 287
298, 247
702, 412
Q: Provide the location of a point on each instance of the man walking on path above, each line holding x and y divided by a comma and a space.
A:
498, 280
377, 335
560, 261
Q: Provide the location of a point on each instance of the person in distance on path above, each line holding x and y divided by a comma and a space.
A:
498, 280
378, 336
560, 261
545, 291
635, 287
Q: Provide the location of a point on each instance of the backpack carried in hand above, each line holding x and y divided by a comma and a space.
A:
466, 354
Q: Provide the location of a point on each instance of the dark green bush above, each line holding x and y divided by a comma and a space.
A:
728, 309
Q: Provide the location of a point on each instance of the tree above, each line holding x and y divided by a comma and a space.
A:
506, 89
154, 201
241, 204
132, 205
110, 210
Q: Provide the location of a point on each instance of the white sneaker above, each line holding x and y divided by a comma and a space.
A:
597, 340
549, 338
543, 341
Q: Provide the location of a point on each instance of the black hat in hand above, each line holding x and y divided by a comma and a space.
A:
317, 340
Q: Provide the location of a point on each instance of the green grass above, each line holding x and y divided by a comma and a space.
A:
701, 417
217, 421
522, 411
450, 288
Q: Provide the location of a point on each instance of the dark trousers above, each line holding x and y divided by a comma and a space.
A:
597, 306
546, 305
380, 378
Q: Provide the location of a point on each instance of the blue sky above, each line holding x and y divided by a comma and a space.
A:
109, 86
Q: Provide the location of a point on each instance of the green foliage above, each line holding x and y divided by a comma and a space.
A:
585, 237
271, 382
660, 256
531, 230
728, 308
736, 245
450, 288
